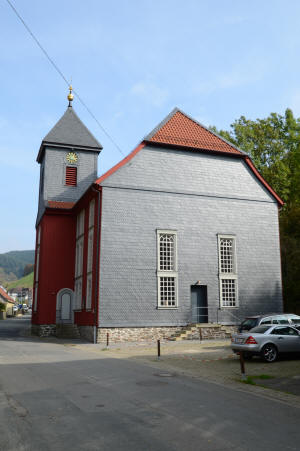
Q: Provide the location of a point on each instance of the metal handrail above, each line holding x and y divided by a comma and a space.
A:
231, 314
209, 312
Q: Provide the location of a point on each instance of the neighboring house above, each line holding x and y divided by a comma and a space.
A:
25, 294
7, 301
14, 294
183, 230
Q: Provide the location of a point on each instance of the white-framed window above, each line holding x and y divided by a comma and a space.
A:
167, 269
89, 292
90, 254
80, 224
90, 250
78, 293
228, 271
91, 213
79, 257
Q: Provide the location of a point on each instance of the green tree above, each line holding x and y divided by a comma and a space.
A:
28, 269
273, 144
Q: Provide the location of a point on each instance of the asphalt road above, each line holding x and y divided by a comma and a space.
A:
56, 397
12, 327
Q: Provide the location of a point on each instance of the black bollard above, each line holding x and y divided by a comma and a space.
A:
242, 362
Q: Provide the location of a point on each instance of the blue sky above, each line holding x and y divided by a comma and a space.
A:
132, 62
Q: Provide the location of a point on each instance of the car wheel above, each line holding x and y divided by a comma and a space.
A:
269, 353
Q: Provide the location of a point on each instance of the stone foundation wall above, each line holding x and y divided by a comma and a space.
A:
212, 333
43, 330
123, 334
86, 332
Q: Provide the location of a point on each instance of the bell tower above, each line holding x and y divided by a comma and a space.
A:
68, 158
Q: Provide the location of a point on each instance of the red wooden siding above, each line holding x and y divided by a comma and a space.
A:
57, 264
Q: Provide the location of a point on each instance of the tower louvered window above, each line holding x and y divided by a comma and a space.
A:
71, 176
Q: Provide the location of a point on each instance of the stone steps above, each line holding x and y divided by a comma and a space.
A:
208, 331
67, 331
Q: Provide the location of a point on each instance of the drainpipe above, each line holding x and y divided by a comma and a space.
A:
97, 265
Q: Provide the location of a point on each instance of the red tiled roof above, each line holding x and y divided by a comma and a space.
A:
6, 296
59, 204
180, 130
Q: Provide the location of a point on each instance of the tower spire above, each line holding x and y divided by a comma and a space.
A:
70, 96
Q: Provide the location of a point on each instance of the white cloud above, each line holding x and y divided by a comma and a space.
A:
150, 93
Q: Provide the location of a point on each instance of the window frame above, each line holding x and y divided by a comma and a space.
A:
78, 294
80, 221
162, 273
228, 275
89, 292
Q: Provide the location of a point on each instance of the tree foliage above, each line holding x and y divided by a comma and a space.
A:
273, 144
28, 269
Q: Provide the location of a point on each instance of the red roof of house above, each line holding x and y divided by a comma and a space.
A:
60, 204
178, 129
6, 296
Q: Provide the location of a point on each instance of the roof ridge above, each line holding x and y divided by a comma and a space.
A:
70, 131
175, 110
72, 111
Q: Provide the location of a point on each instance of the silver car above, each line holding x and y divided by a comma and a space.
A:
270, 318
267, 341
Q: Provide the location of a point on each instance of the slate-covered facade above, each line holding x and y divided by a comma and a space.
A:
183, 230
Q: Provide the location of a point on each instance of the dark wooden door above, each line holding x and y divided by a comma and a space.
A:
199, 304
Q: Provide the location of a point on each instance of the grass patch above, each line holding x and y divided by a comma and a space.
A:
264, 376
24, 282
251, 379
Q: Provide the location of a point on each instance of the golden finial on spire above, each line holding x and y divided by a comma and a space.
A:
70, 95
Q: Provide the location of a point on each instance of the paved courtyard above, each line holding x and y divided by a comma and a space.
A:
57, 395
212, 360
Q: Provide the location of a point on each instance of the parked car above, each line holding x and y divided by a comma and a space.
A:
267, 341
270, 318
15, 308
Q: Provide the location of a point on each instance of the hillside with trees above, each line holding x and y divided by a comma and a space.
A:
273, 144
24, 282
15, 264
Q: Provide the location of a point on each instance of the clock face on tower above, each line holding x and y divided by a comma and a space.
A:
71, 157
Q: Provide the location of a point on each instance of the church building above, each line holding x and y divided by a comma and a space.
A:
184, 230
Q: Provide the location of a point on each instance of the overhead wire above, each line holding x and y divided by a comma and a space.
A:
63, 77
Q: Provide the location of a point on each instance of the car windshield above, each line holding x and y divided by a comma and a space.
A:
295, 319
249, 323
260, 329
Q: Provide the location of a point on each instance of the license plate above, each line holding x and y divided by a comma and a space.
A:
239, 340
